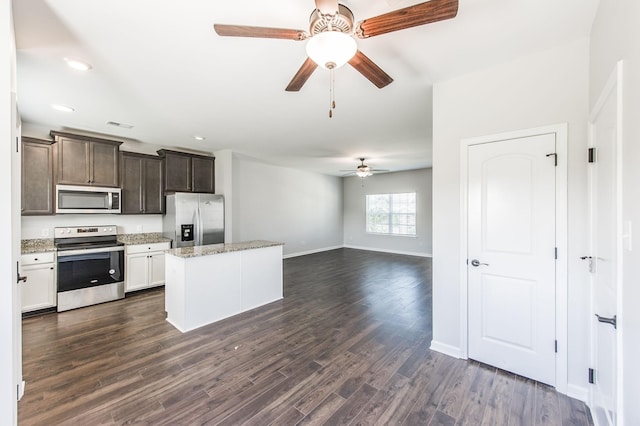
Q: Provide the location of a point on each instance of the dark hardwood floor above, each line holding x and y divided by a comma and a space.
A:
349, 344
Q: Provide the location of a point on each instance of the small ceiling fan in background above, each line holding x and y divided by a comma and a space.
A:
363, 171
330, 42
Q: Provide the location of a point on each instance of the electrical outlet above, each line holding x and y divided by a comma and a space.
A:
138, 228
44, 232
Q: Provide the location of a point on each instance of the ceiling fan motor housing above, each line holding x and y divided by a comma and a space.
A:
341, 21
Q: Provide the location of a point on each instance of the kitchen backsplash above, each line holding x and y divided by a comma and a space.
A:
42, 226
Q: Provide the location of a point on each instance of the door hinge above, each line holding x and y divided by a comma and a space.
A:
555, 253
592, 376
556, 346
592, 155
555, 158
17, 145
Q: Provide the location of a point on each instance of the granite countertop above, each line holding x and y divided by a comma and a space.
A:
207, 250
39, 245
145, 238
46, 244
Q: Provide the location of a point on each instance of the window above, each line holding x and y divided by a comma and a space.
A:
393, 214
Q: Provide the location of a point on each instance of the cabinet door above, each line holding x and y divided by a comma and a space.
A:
137, 272
203, 174
104, 164
153, 191
37, 178
73, 162
131, 177
39, 292
156, 269
177, 173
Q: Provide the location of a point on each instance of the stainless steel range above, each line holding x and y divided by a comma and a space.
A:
90, 265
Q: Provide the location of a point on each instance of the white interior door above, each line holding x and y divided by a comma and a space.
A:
604, 259
511, 255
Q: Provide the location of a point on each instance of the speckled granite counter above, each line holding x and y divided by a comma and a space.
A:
37, 246
208, 283
145, 238
42, 245
207, 250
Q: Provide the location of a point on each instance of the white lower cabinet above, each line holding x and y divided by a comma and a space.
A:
144, 265
39, 291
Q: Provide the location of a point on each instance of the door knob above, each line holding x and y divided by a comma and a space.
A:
613, 321
476, 262
590, 260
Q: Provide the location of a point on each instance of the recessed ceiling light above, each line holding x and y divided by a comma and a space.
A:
62, 108
199, 138
78, 65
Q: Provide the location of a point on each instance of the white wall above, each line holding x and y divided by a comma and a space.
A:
301, 209
224, 186
616, 35
355, 189
9, 354
540, 89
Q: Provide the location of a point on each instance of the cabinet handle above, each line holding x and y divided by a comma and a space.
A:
51, 268
35, 259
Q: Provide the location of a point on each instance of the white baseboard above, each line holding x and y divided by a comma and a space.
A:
407, 253
443, 348
303, 253
21, 387
578, 392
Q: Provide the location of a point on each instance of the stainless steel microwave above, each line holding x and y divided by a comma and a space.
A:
87, 199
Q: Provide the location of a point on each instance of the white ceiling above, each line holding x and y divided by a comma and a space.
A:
159, 66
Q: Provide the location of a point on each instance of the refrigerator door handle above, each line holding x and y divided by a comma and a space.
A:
196, 227
199, 226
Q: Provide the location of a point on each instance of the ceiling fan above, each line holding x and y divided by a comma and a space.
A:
330, 42
363, 171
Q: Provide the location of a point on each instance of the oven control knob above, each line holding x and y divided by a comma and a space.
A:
68, 230
112, 271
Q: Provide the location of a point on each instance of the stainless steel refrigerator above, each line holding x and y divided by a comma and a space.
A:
194, 219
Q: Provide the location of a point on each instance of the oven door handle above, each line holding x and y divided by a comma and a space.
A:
89, 251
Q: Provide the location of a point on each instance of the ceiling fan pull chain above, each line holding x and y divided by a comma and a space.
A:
332, 102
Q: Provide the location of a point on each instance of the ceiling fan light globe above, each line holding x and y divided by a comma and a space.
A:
331, 49
363, 171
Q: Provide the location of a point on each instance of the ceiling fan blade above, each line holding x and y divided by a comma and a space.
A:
412, 16
370, 70
301, 77
327, 7
260, 32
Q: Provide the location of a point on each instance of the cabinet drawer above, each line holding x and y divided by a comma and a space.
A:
147, 248
37, 258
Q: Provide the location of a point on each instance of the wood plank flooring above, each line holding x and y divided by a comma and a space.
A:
349, 344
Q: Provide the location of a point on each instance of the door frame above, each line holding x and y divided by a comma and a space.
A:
561, 309
613, 87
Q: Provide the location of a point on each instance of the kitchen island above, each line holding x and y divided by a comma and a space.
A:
208, 283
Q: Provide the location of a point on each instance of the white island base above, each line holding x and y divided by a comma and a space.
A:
208, 283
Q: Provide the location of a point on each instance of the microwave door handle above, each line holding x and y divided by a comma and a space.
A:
110, 200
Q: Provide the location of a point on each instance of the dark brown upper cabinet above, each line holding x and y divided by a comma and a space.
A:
142, 182
37, 177
85, 160
186, 172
